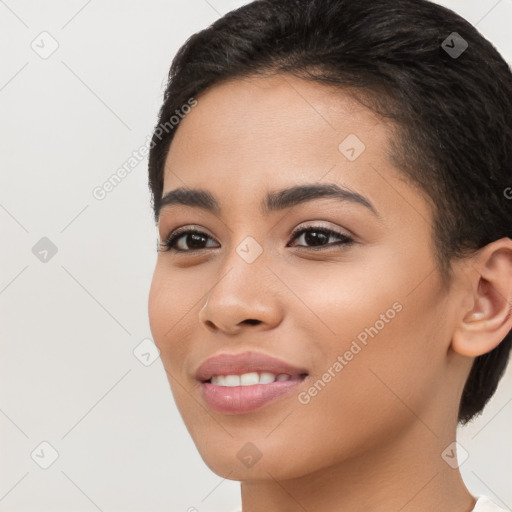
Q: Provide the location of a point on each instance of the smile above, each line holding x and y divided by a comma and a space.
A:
248, 379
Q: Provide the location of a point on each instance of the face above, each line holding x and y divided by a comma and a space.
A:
342, 286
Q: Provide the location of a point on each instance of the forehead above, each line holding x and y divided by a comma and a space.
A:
279, 117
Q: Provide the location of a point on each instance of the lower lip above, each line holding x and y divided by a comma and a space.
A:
243, 399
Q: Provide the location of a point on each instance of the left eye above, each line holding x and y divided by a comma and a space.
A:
191, 240
318, 236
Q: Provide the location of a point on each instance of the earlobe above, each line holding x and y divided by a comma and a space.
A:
489, 320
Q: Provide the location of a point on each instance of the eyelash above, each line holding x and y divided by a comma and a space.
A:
345, 240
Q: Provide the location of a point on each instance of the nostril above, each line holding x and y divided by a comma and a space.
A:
251, 321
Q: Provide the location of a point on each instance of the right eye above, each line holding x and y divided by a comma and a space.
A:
189, 240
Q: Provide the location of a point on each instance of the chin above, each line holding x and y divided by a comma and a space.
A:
241, 460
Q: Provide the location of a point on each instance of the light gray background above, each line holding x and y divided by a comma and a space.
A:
70, 325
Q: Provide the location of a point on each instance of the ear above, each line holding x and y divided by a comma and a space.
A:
488, 319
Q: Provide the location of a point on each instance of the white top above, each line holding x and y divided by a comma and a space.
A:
483, 504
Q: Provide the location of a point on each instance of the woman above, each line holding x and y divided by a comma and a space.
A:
333, 290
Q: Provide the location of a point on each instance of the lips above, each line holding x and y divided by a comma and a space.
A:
246, 397
245, 362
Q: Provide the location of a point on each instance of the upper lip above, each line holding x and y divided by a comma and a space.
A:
244, 362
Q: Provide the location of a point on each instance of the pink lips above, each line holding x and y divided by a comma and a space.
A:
243, 399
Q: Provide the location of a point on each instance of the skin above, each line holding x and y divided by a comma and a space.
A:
372, 438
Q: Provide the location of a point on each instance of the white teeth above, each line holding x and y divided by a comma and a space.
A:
267, 378
216, 379
248, 379
232, 380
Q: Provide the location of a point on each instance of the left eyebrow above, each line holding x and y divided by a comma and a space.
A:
274, 201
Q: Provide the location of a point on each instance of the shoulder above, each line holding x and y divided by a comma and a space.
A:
484, 504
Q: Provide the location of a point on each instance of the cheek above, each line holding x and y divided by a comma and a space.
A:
154, 292
383, 327
168, 301
157, 302
357, 395
164, 312
173, 308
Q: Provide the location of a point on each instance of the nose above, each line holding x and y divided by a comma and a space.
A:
243, 298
